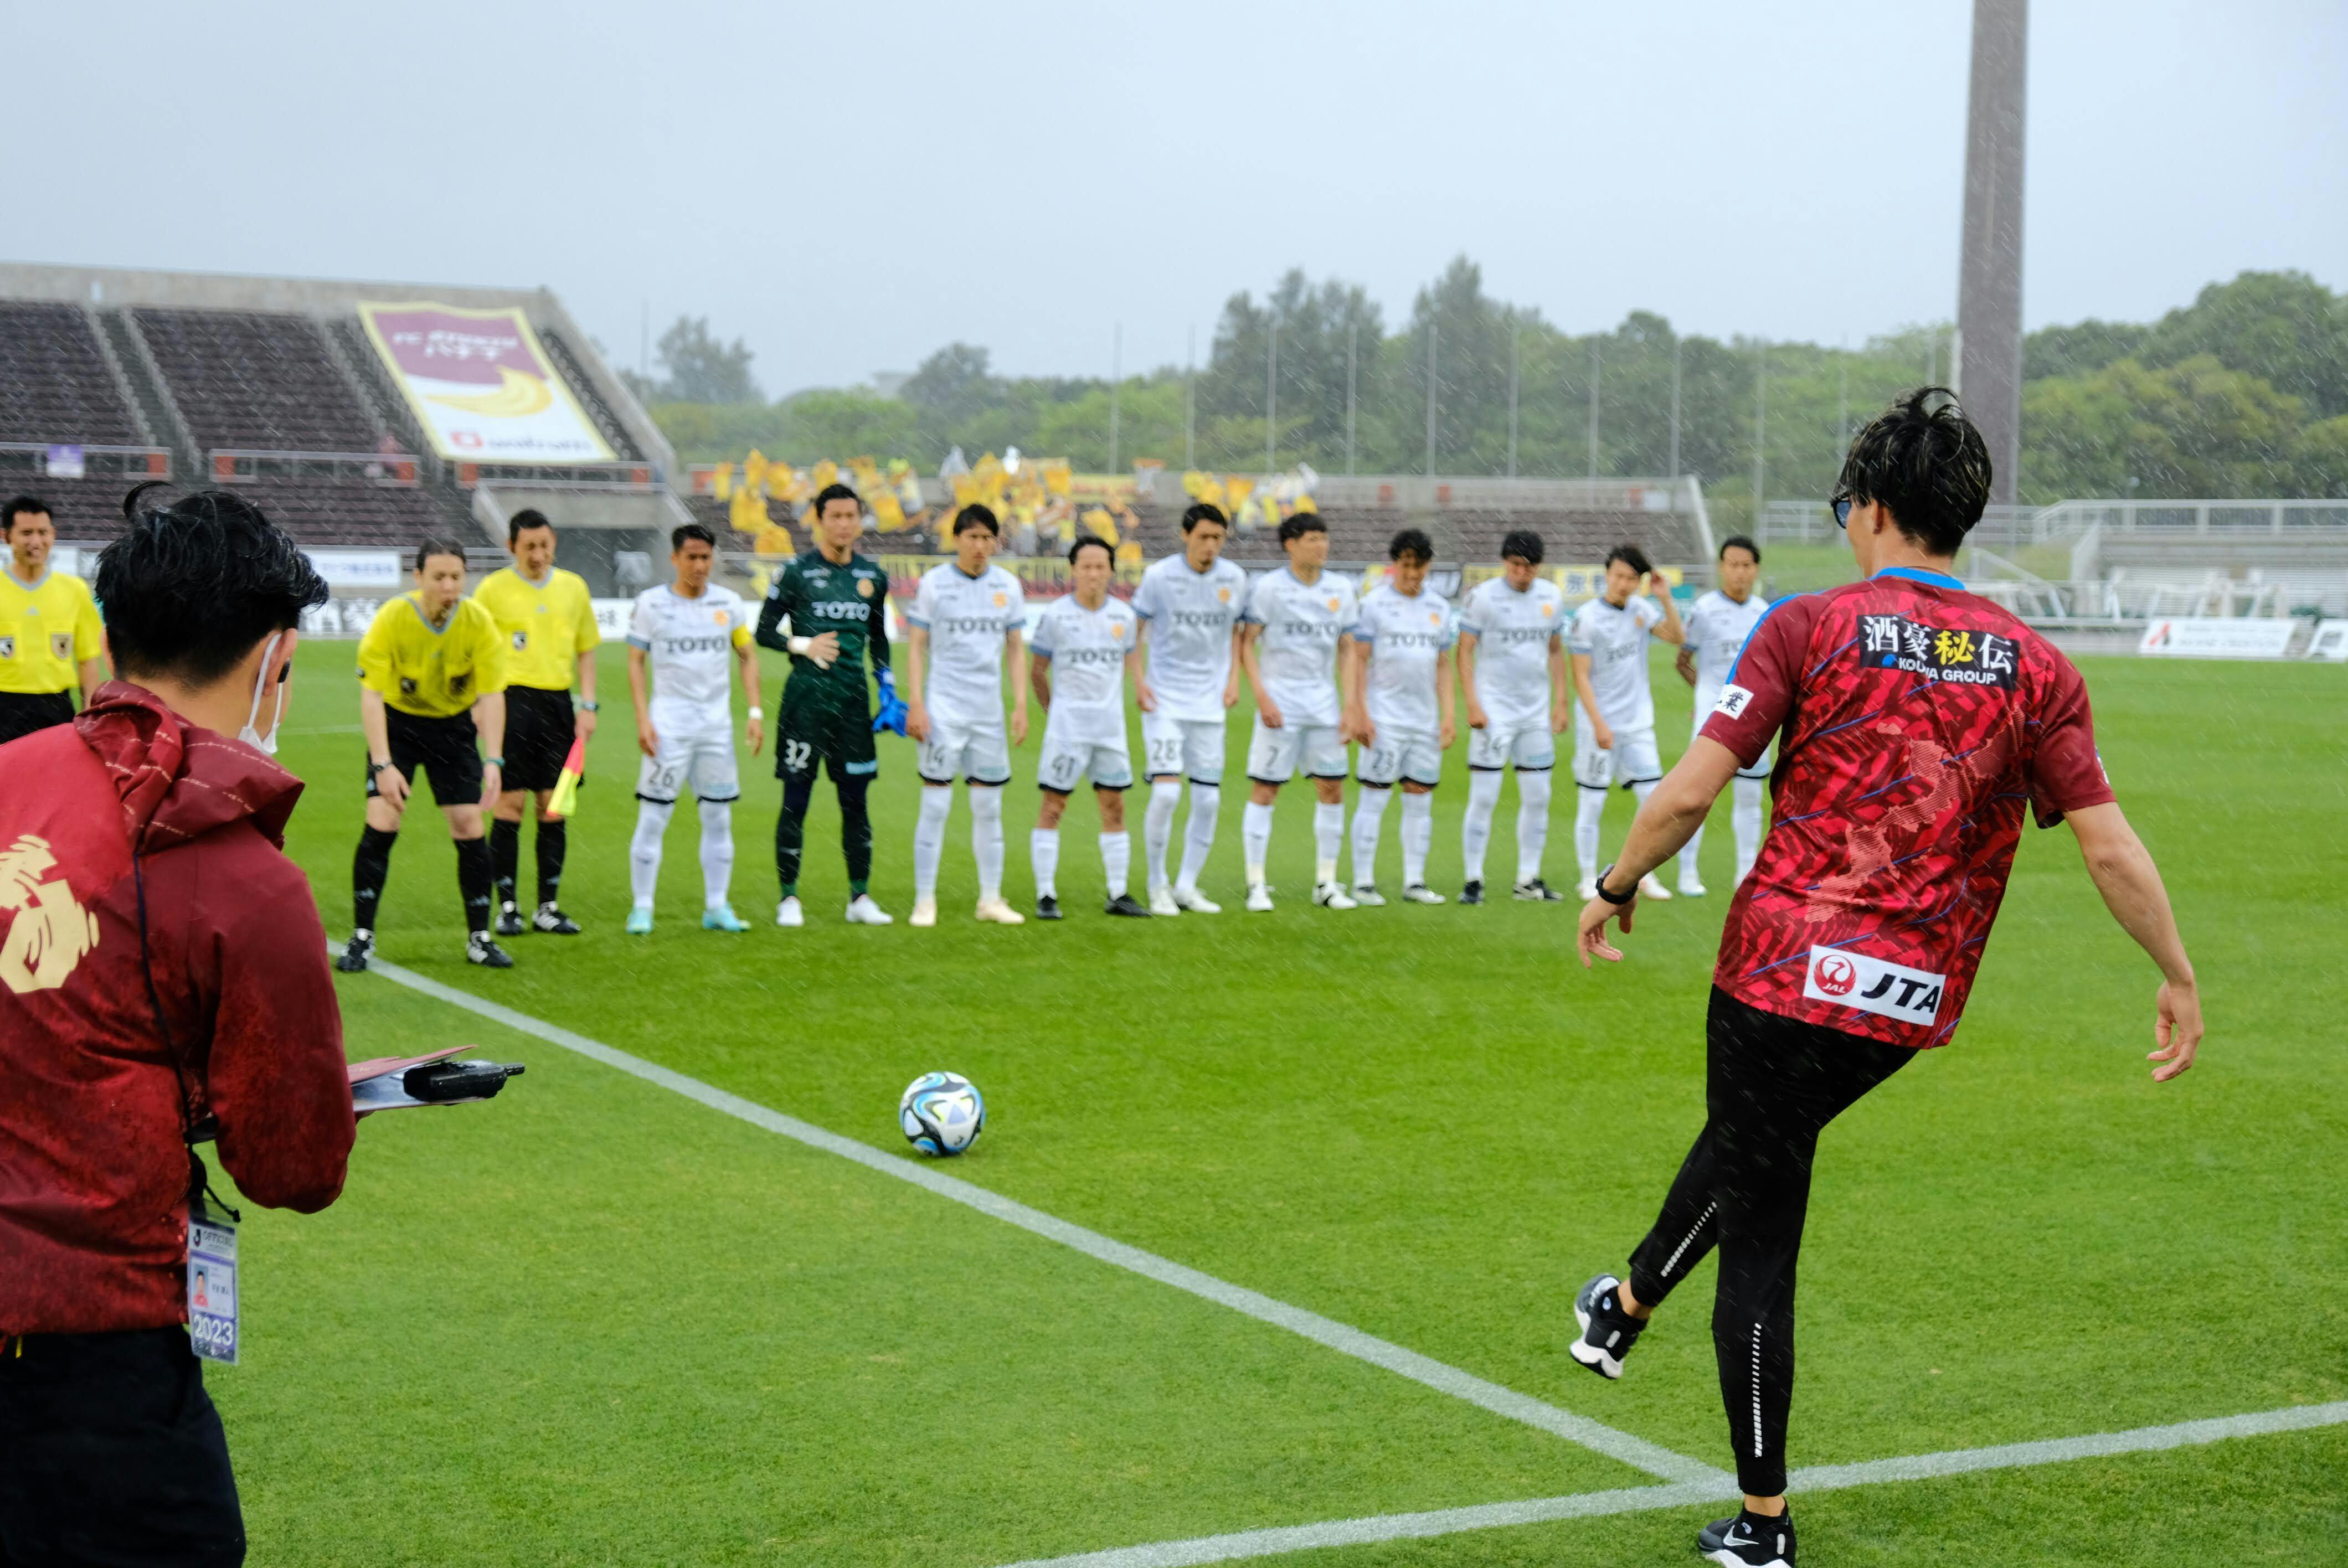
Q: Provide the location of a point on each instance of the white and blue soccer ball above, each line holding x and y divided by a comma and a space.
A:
941, 1113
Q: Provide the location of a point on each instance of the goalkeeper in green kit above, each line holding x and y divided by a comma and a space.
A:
836, 603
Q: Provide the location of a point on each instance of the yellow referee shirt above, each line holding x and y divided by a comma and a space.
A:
433, 674
546, 625
46, 630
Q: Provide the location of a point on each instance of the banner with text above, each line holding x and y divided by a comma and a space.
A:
481, 384
2218, 637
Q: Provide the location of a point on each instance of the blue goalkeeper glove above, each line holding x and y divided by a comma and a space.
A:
891, 716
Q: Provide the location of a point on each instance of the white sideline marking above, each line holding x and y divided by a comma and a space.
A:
1637, 1452
1635, 1499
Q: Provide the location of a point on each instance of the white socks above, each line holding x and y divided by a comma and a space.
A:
985, 841
1043, 854
1369, 814
1328, 837
929, 839
1475, 832
1255, 841
1532, 823
1116, 860
1158, 826
1417, 833
1199, 831
1688, 854
716, 851
645, 849
1746, 816
1586, 813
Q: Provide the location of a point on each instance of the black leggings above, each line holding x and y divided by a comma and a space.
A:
855, 827
1771, 1085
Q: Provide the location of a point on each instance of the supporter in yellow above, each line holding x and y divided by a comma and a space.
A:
50, 640
431, 663
548, 623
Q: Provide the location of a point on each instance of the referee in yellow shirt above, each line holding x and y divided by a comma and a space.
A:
430, 664
549, 626
50, 639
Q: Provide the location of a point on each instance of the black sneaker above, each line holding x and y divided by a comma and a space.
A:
1607, 1331
1047, 908
352, 959
552, 922
1127, 906
1749, 1540
1472, 893
1538, 892
509, 921
479, 949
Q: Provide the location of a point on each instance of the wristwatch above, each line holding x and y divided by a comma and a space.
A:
1610, 897
497, 762
590, 705
375, 768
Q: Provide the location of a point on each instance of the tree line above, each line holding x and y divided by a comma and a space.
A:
2242, 393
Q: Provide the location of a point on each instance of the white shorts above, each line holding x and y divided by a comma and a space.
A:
1527, 748
703, 758
1275, 756
1066, 763
1192, 747
1633, 760
980, 752
1704, 706
1400, 753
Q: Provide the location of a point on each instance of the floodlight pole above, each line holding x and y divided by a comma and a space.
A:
1675, 408
1842, 399
1116, 366
1434, 334
1760, 428
1271, 389
1593, 410
1352, 336
1989, 276
1516, 365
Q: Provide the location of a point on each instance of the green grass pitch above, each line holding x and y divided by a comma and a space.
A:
596, 1323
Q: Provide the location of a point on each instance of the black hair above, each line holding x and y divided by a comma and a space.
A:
1297, 525
1412, 542
976, 516
1525, 543
836, 492
1738, 542
1089, 541
1631, 556
437, 545
684, 531
527, 517
190, 589
22, 503
1928, 468
1199, 512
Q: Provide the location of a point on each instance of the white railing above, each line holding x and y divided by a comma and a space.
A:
2011, 527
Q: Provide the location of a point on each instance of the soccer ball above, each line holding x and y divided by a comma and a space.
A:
941, 1113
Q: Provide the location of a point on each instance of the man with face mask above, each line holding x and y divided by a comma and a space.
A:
163, 982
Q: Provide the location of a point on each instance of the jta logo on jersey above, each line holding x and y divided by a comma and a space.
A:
1874, 984
1969, 658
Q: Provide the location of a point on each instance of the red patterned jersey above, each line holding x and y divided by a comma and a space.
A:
1917, 721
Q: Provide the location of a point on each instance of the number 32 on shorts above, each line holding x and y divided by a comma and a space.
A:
798, 755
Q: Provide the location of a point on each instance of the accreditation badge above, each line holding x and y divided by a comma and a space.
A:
211, 1286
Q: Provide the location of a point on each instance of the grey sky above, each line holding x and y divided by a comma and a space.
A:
850, 186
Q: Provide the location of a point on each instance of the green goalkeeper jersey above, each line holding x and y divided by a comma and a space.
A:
816, 595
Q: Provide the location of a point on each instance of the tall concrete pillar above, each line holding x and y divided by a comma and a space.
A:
1989, 281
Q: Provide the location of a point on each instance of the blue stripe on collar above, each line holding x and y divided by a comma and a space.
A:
1918, 574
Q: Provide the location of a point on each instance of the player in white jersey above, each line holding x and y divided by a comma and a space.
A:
965, 614
1614, 710
691, 636
1296, 635
1190, 606
1718, 627
1402, 713
1093, 642
1512, 670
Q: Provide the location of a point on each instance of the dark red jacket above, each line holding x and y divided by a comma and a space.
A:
93, 1168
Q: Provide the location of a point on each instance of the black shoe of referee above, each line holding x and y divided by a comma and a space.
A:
1472, 893
353, 959
1607, 1331
549, 921
1749, 1540
1126, 906
479, 949
509, 921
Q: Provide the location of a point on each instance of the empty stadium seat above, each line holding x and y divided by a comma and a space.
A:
55, 385
256, 380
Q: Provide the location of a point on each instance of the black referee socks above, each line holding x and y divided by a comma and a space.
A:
505, 855
553, 841
473, 880
370, 867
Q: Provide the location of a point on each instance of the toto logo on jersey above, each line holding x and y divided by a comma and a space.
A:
1874, 984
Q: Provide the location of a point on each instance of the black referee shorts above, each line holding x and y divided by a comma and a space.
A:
540, 728
22, 712
110, 1451
444, 748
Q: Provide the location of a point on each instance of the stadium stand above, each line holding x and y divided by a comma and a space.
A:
567, 365
256, 381
54, 383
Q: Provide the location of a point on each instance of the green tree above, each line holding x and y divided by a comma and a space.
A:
2195, 428
703, 370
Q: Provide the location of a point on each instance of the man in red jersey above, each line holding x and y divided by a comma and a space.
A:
1915, 722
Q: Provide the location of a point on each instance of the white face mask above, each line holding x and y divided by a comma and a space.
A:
248, 734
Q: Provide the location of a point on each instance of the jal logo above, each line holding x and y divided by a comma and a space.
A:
1836, 976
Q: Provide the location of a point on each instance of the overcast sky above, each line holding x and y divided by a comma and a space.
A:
850, 186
